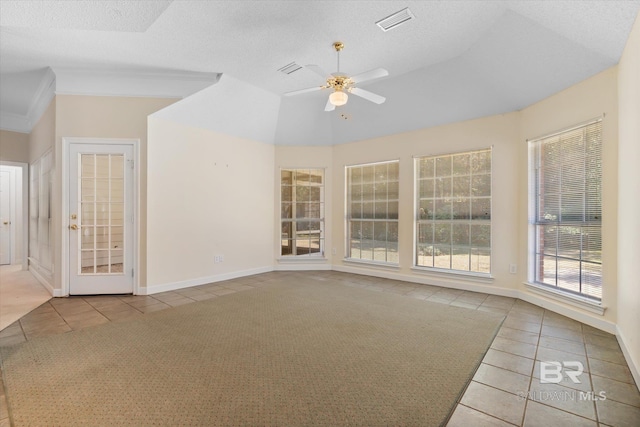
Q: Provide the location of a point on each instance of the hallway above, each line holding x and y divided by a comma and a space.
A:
20, 293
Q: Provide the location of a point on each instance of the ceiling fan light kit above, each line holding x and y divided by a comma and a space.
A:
338, 98
342, 84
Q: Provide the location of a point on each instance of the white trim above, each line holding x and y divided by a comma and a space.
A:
568, 129
132, 83
150, 290
574, 300
41, 100
466, 275
635, 370
14, 122
302, 259
371, 263
39, 104
322, 264
45, 282
66, 142
455, 283
557, 307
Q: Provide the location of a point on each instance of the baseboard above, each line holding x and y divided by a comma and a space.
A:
457, 284
635, 369
45, 282
302, 266
150, 290
571, 313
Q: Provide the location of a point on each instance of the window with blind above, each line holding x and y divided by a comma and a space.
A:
453, 218
566, 210
302, 212
372, 212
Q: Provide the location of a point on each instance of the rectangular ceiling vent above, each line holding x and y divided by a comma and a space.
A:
392, 21
290, 68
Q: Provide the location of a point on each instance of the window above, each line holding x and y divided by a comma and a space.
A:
302, 212
566, 210
372, 212
453, 218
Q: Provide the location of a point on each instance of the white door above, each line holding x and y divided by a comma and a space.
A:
5, 217
101, 226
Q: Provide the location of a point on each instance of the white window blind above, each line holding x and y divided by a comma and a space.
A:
566, 210
453, 218
372, 212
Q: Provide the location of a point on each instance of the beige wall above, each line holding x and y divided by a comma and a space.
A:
507, 134
582, 102
14, 146
499, 132
103, 117
290, 157
209, 194
629, 200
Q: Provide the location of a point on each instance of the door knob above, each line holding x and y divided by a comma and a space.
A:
6, 223
73, 227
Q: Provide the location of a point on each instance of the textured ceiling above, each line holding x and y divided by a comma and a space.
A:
456, 60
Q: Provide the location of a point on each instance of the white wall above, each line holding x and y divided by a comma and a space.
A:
231, 107
208, 194
629, 201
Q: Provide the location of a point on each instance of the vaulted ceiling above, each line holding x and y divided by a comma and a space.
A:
455, 60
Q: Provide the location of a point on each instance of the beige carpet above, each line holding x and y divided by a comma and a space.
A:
287, 354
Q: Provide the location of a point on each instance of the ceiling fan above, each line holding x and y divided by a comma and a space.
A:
343, 84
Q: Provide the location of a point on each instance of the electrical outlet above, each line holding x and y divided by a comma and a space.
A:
217, 258
221, 258
513, 268
334, 251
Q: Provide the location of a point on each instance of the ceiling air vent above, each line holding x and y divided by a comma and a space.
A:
290, 68
396, 19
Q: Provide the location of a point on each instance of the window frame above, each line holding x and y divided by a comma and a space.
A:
349, 219
534, 221
322, 233
418, 221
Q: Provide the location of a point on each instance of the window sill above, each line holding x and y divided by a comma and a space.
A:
302, 259
372, 263
574, 300
438, 272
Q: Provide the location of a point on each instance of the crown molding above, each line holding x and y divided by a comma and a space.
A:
106, 82
112, 82
42, 97
14, 122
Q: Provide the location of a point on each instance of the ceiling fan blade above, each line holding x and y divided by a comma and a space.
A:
301, 91
329, 106
370, 75
369, 96
319, 71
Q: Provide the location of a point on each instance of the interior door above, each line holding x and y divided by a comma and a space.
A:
101, 252
5, 217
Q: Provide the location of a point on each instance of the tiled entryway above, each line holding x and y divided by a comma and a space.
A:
506, 389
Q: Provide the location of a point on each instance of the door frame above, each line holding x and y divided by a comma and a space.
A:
66, 144
24, 256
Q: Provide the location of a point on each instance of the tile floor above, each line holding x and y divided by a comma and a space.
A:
505, 391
